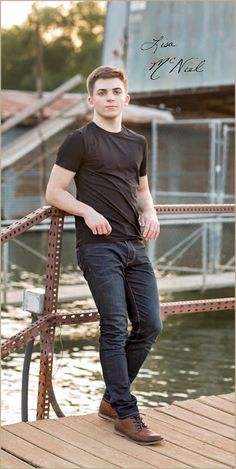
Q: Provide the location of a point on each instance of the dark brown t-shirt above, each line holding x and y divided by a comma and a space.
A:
107, 166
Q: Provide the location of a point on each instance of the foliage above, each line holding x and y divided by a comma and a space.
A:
71, 39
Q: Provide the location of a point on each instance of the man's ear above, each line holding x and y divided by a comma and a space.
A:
127, 99
90, 100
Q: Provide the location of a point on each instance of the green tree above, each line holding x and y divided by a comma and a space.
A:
87, 21
18, 58
72, 43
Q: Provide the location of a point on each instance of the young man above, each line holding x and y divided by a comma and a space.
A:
113, 205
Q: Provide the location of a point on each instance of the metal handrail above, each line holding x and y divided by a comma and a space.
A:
35, 217
45, 326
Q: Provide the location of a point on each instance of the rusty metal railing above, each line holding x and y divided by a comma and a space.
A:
51, 318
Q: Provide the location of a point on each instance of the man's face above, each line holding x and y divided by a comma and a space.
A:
109, 97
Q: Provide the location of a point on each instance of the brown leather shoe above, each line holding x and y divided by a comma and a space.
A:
134, 429
106, 411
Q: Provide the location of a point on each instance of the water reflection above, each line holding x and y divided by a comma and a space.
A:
193, 357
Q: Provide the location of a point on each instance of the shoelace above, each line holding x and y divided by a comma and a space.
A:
139, 422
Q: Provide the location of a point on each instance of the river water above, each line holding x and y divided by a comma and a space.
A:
194, 357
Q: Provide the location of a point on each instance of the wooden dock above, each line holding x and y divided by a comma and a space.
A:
176, 284
198, 434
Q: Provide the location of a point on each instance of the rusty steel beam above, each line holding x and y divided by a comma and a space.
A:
21, 338
53, 319
42, 213
25, 223
194, 209
167, 308
37, 216
53, 263
197, 306
64, 317
47, 336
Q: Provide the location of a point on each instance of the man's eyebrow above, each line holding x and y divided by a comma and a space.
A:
106, 89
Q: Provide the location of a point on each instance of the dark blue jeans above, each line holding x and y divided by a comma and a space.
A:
123, 284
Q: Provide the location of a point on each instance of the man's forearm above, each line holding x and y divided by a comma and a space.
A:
63, 200
145, 202
148, 219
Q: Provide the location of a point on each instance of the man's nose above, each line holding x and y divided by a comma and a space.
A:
110, 97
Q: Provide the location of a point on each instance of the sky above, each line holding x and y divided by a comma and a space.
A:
15, 12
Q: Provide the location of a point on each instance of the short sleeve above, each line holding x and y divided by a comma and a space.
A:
143, 167
71, 152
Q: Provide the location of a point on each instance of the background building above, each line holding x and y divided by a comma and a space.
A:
176, 37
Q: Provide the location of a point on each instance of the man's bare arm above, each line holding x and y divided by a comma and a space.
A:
148, 218
57, 195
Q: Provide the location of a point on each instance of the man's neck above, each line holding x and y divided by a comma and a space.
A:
111, 125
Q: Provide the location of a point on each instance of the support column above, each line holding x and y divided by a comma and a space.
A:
50, 306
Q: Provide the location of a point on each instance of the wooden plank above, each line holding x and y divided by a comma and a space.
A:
219, 403
8, 461
88, 443
181, 453
201, 408
200, 421
217, 457
58, 447
228, 397
32, 454
102, 430
194, 434
198, 433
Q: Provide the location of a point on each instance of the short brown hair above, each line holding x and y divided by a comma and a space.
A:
106, 71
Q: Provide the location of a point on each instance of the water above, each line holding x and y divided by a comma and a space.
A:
194, 357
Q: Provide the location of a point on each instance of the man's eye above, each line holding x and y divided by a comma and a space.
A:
117, 91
